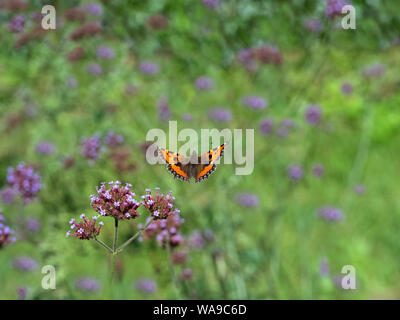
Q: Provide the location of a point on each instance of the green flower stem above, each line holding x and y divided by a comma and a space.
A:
137, 234
172, 270
103, 244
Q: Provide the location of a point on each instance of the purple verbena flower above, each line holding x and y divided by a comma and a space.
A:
204, 83
330, 213
248, 200
94, 69
324, 267
165, 231
90, 147
25, 264
266, 126
347, 88
45, 148
295, 172
116, 201
333, 8
146, 286
87, 284
187, 274
160, 205
24, 181
16, 24
104, 52
318, 170
313, 25
359, 189
95, 9
7, 235
150, 68
22, 292
7, 195
220, 114
85, 229
313, 114
254, 102
113, 140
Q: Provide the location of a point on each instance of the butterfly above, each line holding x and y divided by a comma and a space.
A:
184, 168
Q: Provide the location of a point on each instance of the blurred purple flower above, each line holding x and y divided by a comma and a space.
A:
247, 200
104, 52
266, 126
94, 69
288, 123
16, 24
324, 267
187, 274
113, 140
313, 114
212, 4
313, 25
333, 8
220, 114
24, 181
196, 240
187, 117
7, 195
295, 172
374, 70
163, 109
146, 286
90, 147
282, 132
72, 82
330, 213
45, 148
318, 170
204, 83
347, 88
22, 292
33, 225
254, 102
25, 264
6, 234
87, 284
95, 9
360, 189
148, 67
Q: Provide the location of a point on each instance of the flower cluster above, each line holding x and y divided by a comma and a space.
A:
25, 264
248, 200
149, 68
204, 83
333, 8
85, 229
254, 102
113, 140
16, 24
45, 148
330, 214
24, 181
166, 231
220, 114
104, 52
313, 114
90, 147
116, 201
6, 234
160, 205
87, 284
295, 172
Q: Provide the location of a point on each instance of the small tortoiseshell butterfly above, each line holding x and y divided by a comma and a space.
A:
185, 168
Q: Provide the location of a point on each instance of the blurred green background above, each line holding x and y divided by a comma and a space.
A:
130, 66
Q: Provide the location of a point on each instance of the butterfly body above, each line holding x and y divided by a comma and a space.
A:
197, 167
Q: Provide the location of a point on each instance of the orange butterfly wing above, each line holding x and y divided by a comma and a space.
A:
209, 168
173, 159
